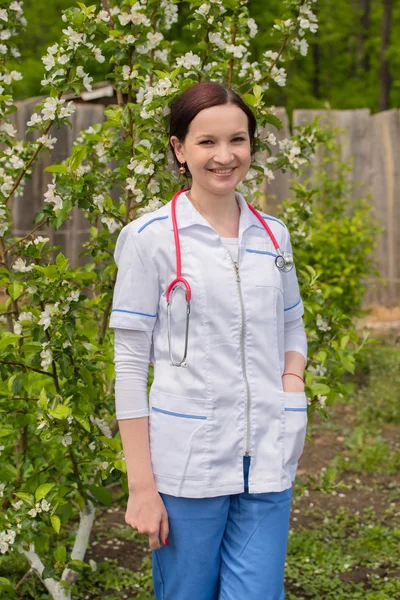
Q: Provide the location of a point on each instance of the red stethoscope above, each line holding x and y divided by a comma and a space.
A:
283, 261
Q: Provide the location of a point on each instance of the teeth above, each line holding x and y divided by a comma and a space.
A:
222, 170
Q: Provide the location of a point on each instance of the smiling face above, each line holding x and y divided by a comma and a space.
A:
216, 149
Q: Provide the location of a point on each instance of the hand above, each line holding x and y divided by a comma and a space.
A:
291, 383
147, 514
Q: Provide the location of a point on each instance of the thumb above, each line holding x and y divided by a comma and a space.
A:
164, 529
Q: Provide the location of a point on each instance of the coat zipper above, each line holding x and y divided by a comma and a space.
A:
236, 267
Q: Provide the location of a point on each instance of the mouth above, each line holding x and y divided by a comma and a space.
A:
222, 172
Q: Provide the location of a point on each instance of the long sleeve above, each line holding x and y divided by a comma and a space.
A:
131, 359
295, 337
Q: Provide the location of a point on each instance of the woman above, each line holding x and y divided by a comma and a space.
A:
211, 463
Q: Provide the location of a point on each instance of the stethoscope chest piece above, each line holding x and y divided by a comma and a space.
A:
284, 261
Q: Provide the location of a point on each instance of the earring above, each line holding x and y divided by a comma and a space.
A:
182, 169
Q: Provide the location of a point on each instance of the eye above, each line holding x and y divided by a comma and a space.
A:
206, 142
240, 139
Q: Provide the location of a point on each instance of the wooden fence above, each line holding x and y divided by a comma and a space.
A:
370, 142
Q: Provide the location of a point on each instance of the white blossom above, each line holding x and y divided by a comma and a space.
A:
102, 425
98, 200
252, 25
2, 486
112, 224
322, 324
5, 34
189, 60
34, 120
21, 267
32, 513
3, 49
98, 55
162, 55
52, 197
7, 539
216, 39
129, 73
25, 316
47, 356
66, 440
153, 40
44, 505
16, 161
300, 45
278, 75
63, 59
66, 344
204, 9
48, 62
3, 14
17, 327
47, 141
73, 296
87, 82
1, 449
8, 129
47, 314
17, 505
103, 16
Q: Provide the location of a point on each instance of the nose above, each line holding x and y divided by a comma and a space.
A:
223, 154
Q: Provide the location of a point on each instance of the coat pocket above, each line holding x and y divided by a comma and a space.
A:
295, 420
178, 440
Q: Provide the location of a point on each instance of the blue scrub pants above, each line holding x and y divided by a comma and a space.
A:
224, 548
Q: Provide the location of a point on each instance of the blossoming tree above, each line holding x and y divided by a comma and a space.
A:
59, 452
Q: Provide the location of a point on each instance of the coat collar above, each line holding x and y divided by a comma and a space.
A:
187, 215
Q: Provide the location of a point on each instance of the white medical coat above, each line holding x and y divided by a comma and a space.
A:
204, 417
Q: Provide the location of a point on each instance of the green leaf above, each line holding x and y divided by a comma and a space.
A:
25, 497
101, 494
15, 289
60, 553
250, 99
344, 341
78, 155
42, 491
62, 262
8, 338
5, 431
57, 169
55, 521
60, 412
43, 400
77, 565
31, 347
111, 442
83, 422
120, 465
48, 573
6, 583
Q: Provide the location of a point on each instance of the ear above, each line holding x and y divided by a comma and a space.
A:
178, 148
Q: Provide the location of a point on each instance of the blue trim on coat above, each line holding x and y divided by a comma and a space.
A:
133, 312
273, 219
151, 221
261, 252
296, 409
294, 305
174, 414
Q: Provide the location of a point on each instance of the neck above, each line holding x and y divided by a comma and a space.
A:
213, 206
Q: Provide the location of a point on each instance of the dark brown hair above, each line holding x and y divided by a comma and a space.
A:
198, 97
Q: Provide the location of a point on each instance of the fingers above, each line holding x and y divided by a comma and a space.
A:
164, 529
154, 540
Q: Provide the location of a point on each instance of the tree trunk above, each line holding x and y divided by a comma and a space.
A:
384, 72
365, 23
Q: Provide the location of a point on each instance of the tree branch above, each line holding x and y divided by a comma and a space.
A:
81, 541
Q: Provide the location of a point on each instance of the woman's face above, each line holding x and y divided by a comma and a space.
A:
216, 148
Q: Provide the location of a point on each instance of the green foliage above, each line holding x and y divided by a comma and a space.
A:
378, 399
333, 236
321, 558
